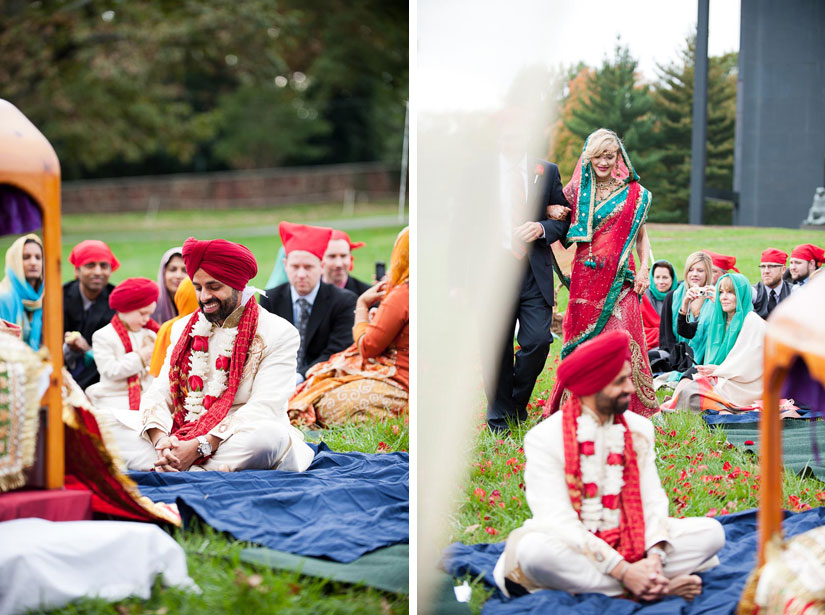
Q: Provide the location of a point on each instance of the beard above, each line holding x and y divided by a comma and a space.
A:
227, 306
612, 405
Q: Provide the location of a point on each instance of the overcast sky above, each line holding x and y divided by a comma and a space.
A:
469, 50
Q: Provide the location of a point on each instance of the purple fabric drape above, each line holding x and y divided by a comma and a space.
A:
19, 213
803, 389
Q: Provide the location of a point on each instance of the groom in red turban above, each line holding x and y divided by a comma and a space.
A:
220, 400
600, 516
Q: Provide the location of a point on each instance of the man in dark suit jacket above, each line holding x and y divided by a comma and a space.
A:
772, 288
86, 307
338, 263
322, 313
527, 187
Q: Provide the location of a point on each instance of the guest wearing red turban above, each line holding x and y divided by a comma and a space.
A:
805, 259
322, 312
123, 348
86, 306
220, 399
600, 516
772, 288
339, 261
721, 264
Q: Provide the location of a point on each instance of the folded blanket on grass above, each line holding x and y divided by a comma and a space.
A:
799, 437
713, 418
387, 569
344, 505
723, 584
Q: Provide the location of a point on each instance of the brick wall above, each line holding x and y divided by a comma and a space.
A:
223, 190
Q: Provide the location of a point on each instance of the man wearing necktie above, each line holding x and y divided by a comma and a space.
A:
772, 288
526, 187
322, 313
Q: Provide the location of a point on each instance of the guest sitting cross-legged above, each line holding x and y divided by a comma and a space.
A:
600, 516
123, 348
86, 306
730, 377
370, 379
220, 401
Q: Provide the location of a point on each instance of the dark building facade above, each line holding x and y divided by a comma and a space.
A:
780, 124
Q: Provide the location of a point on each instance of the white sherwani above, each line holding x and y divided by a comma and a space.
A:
116, 366
553, 550
256, 433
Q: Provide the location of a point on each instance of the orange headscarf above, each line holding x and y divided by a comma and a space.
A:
186, 300
400, 259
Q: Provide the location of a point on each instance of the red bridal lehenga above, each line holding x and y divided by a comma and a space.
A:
603, 270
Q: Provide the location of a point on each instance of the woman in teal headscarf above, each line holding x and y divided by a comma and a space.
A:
731, 377
21, 291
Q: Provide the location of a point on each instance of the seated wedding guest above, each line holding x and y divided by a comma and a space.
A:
600, 516
123, 348
805, 259
683, 352
186, 302
220, 401
370, 379
730, 377
322, 313
662, 281
338, 262
171, 273
86, 306
771, 289
21, 290
722, 264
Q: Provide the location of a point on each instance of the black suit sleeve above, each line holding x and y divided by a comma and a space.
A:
555, 230
685, 328
264, 300
667, 337
342, 317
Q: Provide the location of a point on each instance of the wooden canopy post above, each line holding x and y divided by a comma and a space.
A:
796, 330
29, 163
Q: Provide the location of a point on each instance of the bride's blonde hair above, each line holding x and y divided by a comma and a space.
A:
600, 141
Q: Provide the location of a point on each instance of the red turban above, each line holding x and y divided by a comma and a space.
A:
132, 294
725, 263
772, 255
227, 262
809, 252
592, 366
93, 251
312, 239
336, 234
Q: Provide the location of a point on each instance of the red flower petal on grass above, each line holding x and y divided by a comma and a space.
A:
748, 442
480, 493
491, 531
382, 446
711, 513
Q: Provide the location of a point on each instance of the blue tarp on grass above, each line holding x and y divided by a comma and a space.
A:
343, 506
723, 585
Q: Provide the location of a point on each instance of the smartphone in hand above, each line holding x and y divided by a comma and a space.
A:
380, 270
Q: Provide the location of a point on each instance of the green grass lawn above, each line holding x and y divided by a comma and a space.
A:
229, 585
701, 472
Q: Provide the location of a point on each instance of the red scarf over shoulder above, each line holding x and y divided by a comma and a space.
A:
629, 538
132, 382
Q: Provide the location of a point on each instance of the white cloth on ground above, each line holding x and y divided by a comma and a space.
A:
44, 564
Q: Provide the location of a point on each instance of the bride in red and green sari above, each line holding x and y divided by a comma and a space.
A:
609, 209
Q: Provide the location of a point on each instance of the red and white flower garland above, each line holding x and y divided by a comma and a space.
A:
202, 393
600, 507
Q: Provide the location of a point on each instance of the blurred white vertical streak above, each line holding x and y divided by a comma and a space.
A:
473, 59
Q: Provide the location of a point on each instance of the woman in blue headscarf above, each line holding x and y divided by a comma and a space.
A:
730, 379
21, 291
662, 281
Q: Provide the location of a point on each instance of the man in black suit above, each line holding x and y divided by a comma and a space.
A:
338, 262
86, 307
772, 288
527, 187
322, 313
